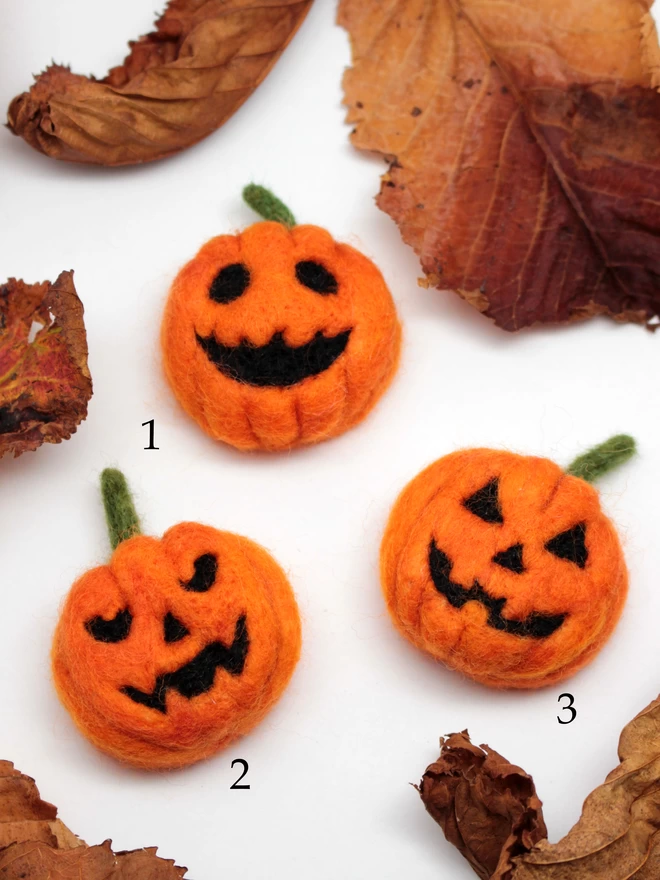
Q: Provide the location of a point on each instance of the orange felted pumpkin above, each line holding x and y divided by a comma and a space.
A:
504, 566
178, 645
279, 336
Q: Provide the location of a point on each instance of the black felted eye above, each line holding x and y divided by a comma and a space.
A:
570, 545
206, 568
115, 630
230, 283
173, 629
485, 503
316, 277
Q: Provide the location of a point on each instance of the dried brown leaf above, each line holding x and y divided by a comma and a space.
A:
24, 816
525, 142
34, 843
618, 834
45, 384
178, 84
486, 806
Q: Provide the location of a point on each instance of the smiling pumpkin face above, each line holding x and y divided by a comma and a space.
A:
177, 647
504, 567
279, 337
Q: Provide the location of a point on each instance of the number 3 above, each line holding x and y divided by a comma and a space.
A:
568, 708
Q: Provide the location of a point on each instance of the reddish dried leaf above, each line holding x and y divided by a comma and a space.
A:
34, 843
618, 834
486, 806
178, 84
525, 146
45, 384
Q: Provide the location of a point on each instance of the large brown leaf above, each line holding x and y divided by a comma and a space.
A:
618, 834
34, 843
45, 383
486, 806
524, 138
178, 84
489, 810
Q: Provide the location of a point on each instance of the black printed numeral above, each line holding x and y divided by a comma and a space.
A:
567, 708
244, 764
151, 434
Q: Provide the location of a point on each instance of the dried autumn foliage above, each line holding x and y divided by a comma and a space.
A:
618, 834
486, 806
45, 383
34, 843
476, 796
524, 141
178, 84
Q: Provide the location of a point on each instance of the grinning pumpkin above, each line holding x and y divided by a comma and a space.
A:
279, 336
177, 646
504, 566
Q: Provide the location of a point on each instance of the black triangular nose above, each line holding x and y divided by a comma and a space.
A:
511, 559
173, 629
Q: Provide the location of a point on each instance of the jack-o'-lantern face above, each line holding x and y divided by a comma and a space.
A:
279, 337
177, 646
504, 567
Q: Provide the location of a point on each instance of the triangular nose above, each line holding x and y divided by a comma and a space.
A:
173, 629
511, 559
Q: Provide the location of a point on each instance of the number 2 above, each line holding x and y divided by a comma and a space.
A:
567, 708
245, 770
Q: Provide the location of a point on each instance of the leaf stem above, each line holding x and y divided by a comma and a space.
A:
603, 458
268, 205
120, 513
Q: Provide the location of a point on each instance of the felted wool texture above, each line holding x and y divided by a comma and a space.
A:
317, 407
147, 577
538, 501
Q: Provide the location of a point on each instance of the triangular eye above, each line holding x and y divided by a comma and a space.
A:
570, 545
485, 503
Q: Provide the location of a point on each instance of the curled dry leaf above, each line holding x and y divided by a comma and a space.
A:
178, 84
618, 835
45, 383
34, 843
486, 806
524, 141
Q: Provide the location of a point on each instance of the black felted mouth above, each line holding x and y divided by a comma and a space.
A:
534, 626
198, 675
275, 364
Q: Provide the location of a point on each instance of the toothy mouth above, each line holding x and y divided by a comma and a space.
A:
198, 675
535, 626
275, 364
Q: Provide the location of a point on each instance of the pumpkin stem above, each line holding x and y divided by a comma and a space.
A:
603, 458
120, 512
268, 205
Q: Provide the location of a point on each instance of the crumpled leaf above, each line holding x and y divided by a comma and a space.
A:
178, 84
524, 141
487, 807
45, 384
618, 835
35, 844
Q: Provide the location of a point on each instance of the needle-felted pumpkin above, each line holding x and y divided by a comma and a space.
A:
279, 336
504, 566
177, 646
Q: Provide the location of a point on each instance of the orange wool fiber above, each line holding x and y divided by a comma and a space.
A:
209, 677
503, 567
293, 365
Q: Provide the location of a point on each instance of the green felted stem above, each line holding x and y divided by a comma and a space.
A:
120, 512
267, 205
603, 458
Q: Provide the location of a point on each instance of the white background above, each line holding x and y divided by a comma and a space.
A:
330, 766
